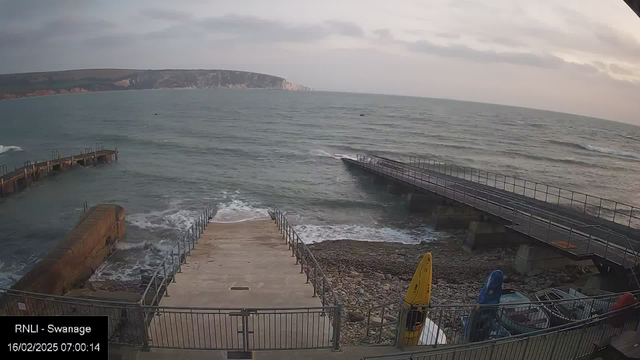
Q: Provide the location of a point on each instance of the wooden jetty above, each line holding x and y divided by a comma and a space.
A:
12, 182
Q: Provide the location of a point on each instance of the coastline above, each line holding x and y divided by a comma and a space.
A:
368, 274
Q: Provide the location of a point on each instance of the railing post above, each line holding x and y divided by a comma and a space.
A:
337, 323
173, 266
315, 276
166, 282
179, 258
402, 321
143, 327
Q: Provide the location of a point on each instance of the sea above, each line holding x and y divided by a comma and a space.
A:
244, 151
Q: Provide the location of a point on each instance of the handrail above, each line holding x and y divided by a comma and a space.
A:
301, 251
444, 313
578, 325
166, 270
635, 293
313, 271
504, 207
494, 178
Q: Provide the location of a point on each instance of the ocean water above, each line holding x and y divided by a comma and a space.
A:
244, 150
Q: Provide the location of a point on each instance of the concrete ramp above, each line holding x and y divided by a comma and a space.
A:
250, 294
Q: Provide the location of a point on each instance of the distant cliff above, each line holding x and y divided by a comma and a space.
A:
74, 81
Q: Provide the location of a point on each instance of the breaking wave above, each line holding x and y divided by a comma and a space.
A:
318, 233
9, 148
323, 153
596, 148
238, 211
608, 151
170, 219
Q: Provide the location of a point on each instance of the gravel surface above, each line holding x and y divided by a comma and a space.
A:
369, 274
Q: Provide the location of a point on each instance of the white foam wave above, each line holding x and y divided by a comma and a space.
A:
323, 153
609, 151
143, 245
317, 233
9, 275
4, 149
239, 211
169, 219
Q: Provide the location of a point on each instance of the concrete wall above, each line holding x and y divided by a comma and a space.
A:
79, 254
454, 217
531, 257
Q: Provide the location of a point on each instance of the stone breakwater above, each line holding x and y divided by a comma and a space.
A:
366, 274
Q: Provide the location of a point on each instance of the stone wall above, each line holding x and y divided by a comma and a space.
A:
79, 254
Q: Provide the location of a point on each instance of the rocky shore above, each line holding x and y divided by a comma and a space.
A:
369, 274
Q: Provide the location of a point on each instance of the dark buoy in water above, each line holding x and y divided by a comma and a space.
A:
155, 114
361, 114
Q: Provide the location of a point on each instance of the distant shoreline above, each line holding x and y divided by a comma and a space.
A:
16, 86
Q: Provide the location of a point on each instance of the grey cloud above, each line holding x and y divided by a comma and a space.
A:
617, 69
346, 28
465, 52
19, 10
383, 34
256, 29
14, 37
611, 41
252, 29
500, 40
167, 15
600, 65
447, 35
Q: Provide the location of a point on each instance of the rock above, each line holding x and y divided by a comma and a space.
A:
386, 287
375, 320
355, 317
534, 272
360, 291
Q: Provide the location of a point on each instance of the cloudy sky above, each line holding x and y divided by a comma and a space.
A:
578, 56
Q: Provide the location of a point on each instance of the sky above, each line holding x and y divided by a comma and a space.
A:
576, 56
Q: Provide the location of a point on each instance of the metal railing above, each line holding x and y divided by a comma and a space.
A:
566, 342
463, 323
580, 239
312, 269
308, 263
606, 209
242, 329
125, 319
171, 264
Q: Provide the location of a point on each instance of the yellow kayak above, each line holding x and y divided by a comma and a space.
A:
419, 293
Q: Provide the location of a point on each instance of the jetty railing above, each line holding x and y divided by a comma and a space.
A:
463, 323
171, 264
311, 268
606, 209
574, 237
567, 342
